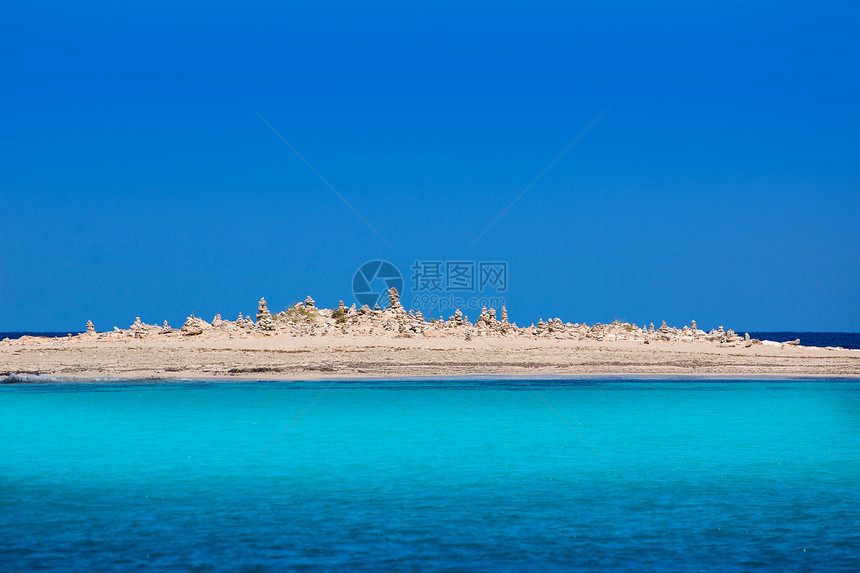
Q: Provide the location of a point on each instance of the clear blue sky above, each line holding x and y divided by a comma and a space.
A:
722, 184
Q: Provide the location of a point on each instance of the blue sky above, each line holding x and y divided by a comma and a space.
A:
722, 183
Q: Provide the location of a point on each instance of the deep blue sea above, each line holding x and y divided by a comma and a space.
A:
18, 334
841, 339
423, 475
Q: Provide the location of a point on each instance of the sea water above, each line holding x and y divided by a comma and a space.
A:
431, 475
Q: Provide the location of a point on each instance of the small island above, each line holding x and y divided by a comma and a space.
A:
306, 342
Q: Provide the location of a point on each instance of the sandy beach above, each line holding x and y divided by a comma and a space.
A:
307, 342
344, 356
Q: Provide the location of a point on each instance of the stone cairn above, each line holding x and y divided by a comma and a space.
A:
483, 320
394, 301
394, 320
192, 326
340, 314
264, 317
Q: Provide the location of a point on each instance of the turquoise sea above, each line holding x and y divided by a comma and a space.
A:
431, 475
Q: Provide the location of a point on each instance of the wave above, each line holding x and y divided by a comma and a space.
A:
16, 378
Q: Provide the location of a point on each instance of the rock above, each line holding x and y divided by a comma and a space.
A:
458, 317
91, 329
264, 317
364, 310
394, 300
217, 320
341, 307
309, 303
483, 319
166, 326
795, 342
138, 325
504, 315
192, 326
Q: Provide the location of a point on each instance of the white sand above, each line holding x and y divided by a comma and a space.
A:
288, 357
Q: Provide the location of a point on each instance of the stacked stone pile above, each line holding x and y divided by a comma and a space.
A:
394, 301
457, 319
264, 317
194, 325
483, 322
139, 328
305, 319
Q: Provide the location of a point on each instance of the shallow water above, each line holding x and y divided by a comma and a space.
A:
495, 475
